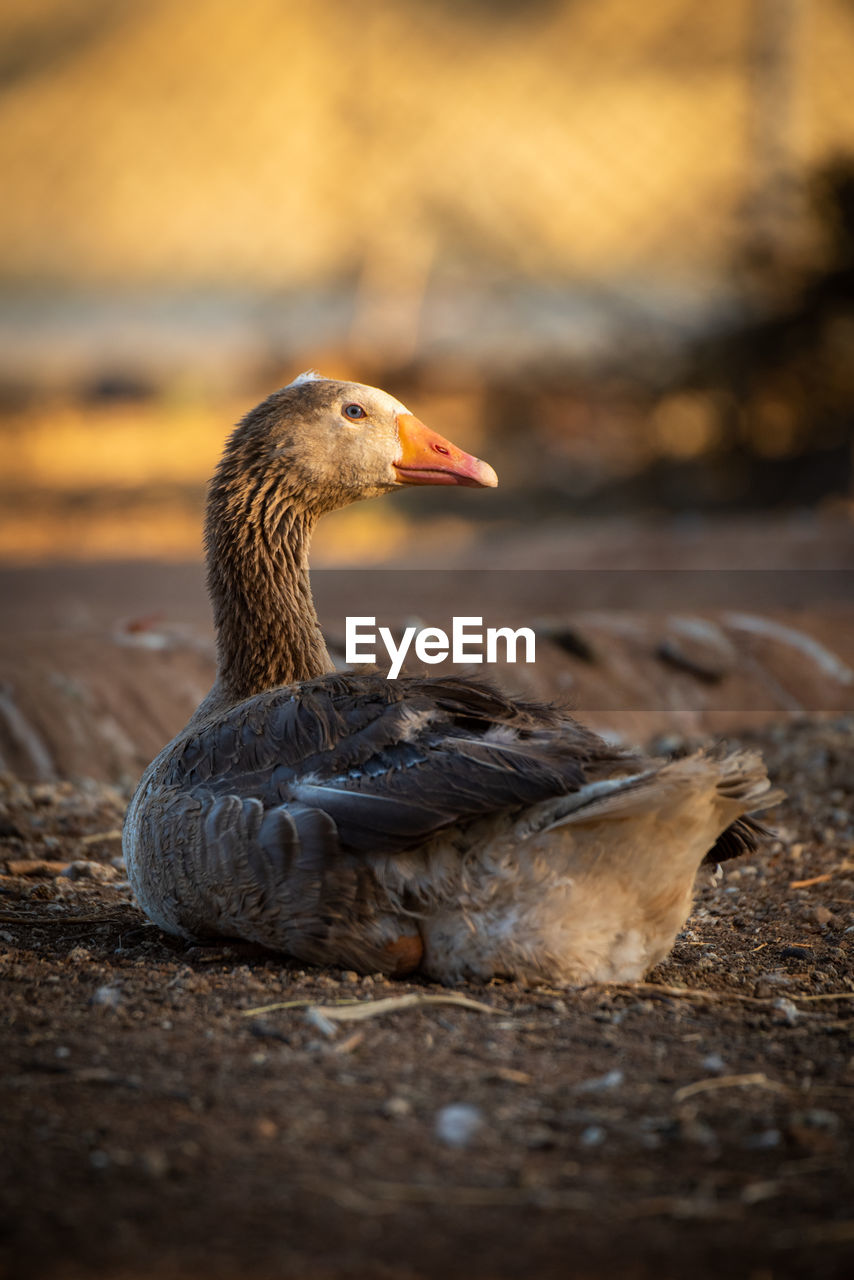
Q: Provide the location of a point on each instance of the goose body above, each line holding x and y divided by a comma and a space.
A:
416, 824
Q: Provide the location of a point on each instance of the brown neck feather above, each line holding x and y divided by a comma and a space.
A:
257, 536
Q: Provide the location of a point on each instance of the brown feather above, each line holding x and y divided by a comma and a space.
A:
386, 824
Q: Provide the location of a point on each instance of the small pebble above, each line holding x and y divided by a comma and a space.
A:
714, 1063
599, 1084
788, 1009
320, 1022
82, 869
593, 1136
395, 1108
109, 997
457, 1124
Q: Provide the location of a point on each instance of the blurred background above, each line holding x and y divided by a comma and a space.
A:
608, 246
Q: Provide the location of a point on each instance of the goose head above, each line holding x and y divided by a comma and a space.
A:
333, 443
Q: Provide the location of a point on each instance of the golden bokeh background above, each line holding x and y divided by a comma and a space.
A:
604, 243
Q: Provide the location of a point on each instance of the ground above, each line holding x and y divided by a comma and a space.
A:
159, 1117
700, 1120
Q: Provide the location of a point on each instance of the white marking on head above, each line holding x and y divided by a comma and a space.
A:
310, 375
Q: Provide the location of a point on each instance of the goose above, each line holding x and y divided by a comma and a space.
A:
420, 824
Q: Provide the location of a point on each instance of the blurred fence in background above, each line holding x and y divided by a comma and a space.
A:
615, 236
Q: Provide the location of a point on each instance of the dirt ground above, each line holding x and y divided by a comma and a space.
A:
159, 1117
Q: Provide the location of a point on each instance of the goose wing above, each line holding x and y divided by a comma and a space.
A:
260, 824
389, 763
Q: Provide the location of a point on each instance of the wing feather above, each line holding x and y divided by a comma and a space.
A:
295, 784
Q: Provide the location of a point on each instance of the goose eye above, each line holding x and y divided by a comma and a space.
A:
353, 411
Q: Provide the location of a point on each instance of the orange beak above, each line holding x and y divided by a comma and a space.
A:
426, 458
